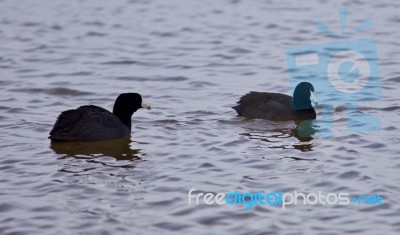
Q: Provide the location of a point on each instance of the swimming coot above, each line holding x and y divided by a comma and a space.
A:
90, 122
279, 107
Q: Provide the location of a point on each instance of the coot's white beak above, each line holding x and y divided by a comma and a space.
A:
146, 106
313, 99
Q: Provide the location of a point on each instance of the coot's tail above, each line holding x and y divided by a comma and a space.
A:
237, 109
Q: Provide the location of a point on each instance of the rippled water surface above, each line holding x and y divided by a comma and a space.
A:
191, 60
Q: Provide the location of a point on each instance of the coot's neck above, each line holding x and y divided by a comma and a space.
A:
123, 115
125, 120
305, 114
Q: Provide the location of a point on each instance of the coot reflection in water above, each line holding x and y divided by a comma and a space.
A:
305, 130
119, 149
278, 134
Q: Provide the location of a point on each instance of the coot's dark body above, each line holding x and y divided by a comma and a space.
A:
278, 107
90, 123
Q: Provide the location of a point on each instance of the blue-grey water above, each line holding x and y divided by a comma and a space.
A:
191, 60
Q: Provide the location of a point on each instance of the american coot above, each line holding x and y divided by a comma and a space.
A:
90, 122
279, 107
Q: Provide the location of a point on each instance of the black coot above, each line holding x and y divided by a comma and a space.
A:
90, 123
279, 107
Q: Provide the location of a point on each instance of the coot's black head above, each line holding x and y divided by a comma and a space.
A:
126, 104
303, 95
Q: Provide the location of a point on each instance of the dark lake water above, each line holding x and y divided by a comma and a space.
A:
191, 60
